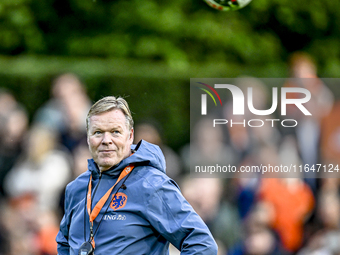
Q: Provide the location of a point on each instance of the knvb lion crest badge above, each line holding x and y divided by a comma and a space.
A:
119, 201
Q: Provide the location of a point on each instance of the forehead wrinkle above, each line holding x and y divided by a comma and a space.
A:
110, 122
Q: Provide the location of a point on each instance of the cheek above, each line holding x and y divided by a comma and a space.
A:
128, 141
93, 144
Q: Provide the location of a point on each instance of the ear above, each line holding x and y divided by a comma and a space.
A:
132, 131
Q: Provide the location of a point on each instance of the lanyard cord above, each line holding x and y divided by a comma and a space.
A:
109, 205
124, 175
94, 192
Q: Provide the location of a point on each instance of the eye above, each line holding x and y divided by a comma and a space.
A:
97, 132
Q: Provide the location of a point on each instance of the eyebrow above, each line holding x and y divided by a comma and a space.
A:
118, 127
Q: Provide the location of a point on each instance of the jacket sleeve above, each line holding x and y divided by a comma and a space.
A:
62, 237
174, 218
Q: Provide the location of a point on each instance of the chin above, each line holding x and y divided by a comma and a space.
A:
107, 165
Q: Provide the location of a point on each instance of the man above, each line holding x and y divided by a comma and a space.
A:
124, 203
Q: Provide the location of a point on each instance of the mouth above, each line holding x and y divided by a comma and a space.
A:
106, 151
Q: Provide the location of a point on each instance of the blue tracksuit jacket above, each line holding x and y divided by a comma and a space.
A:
147, 214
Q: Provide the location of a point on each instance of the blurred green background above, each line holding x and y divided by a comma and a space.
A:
148, 50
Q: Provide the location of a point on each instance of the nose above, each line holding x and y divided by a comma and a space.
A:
107, 138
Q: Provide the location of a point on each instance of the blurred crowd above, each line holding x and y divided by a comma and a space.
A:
37, 160
298, 213
247, 216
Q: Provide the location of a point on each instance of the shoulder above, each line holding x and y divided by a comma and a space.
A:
154, 179
156, 190
81, 179
76, 189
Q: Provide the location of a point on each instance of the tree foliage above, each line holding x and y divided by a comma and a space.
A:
179, 32
164, 41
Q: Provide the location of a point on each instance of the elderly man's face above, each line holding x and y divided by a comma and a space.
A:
109, 138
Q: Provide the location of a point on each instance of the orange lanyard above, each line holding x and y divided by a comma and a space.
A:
93, 215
